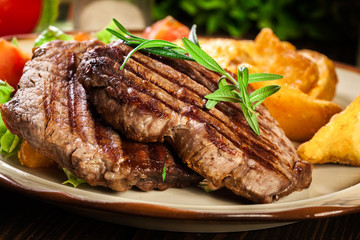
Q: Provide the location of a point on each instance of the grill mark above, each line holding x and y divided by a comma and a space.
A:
128, 95
138, 152
258, 147
45, 100
180, 78
105, 140
180, 93
72, 98
193, 71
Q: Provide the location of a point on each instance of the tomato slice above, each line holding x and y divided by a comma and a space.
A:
12, 61
167, 29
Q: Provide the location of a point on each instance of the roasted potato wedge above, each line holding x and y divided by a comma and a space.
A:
325, 86
229, 53
299, 114
30, 157
338, 141
275, 56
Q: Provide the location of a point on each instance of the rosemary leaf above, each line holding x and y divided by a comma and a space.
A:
210, 103
250, 118
201, 57
225, 96
152, 44
171, 53
222, 81
260, 77
264, 92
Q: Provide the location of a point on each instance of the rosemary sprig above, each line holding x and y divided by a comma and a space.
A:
159, 47
235, 92
238, 91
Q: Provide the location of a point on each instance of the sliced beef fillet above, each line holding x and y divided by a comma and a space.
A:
51, 112
156, 99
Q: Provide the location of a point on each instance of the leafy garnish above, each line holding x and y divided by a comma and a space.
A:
72, 178
206, 186
237, 92
8, 142
164, 173
50, 34
164, 169
159, 47
105, 36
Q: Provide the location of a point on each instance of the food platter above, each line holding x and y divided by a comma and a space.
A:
335, 190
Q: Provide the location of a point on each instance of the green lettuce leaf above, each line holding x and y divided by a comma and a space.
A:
105, 36
9, 143
50, 34
72, 178
5, 92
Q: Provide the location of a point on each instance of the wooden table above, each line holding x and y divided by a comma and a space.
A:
26, 218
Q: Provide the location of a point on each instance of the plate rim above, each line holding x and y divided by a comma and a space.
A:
63, 198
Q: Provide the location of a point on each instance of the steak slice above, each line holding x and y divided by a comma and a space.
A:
51, 112
156, 99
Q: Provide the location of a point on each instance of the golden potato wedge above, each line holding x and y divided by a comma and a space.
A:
338, 141
229, 53
325, 86
30, 157
299, 114
274, 56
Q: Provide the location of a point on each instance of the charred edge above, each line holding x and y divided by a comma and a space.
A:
105, 141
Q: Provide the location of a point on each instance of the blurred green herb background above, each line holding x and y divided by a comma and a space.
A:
331, 27
316, 24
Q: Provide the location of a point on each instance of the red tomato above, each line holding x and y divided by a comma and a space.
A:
19, 16
166, 29
12, 61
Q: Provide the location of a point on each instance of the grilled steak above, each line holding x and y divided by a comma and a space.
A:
156, 99
51, 112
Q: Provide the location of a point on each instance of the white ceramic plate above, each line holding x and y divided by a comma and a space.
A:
335, 190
